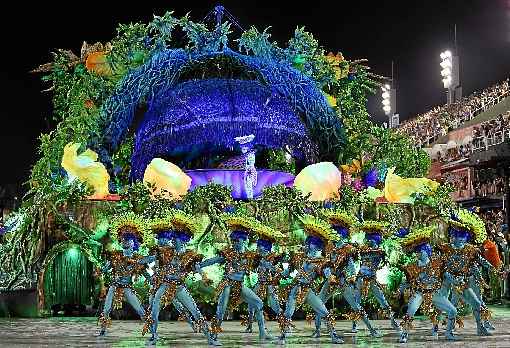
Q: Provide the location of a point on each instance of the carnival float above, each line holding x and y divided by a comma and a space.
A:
206, 118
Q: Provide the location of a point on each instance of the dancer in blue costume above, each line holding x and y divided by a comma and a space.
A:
164, 240
237, 262
424, 279
341, 258
460, 256
373, 258
266, 265
310, 265
129, 231
174, 265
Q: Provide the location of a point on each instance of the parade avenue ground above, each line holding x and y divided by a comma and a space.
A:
82, 332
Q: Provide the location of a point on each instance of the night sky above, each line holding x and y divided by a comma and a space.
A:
411, 33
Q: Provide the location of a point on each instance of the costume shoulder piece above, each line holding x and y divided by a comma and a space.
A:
115, 257
297, 259
365, 249
471, 250
190, 257
227, 253
412, 271
165, 254
347, 251
444, 247
114, 253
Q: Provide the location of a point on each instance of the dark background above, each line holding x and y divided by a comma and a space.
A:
411, 33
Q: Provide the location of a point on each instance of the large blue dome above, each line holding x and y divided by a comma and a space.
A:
209, 114
202, 101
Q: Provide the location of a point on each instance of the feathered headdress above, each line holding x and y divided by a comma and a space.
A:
161, 224
129, 223
318, 228
184, 222
375, 227
464, 220
267, 233
416, 237
340, 218
239, 222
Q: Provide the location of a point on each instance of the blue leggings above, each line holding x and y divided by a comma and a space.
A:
129, 295
248, 296
272, 300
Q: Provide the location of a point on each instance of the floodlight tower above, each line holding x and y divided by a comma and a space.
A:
450, 73
389, 102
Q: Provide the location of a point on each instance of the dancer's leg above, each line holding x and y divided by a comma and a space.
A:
104, 318
318, 307
256, 303
412, 307
443, 304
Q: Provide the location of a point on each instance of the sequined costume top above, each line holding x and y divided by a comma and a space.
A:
459, 263
372, 259
174, 266
237, 264
265, 266
341, 261
309, 268
427, 281
125, 267
426, 278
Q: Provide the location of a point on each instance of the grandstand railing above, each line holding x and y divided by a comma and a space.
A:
482, 143
486, 105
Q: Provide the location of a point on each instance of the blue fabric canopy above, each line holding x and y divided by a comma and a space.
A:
210, 114
279, 104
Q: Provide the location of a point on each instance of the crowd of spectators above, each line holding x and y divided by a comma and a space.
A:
491, 132
488, 183
426, 128
483, 136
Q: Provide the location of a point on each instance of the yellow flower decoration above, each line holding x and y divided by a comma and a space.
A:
184, 222
266, 232
470, 222
373, 226
129, 223
354, 167
319, 228
161, 224
340, 218
238, 222
417, 236
339, 64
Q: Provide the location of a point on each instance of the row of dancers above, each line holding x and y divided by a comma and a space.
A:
440, 277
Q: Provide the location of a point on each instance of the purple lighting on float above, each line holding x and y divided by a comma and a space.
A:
235, 179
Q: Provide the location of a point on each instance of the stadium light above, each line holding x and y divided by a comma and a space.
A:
386, 98
446, 68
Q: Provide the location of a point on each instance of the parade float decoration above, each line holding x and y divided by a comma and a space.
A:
220, 118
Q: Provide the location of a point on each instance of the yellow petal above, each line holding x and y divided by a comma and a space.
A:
167, 176
322, 180
86, 169
400, 190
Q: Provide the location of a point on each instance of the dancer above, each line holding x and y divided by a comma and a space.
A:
460, 256
476, 281
237, 262
373, 258
164, 242
266, 267
310, 266
129, 231
341, 261
424, 279
174, 265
